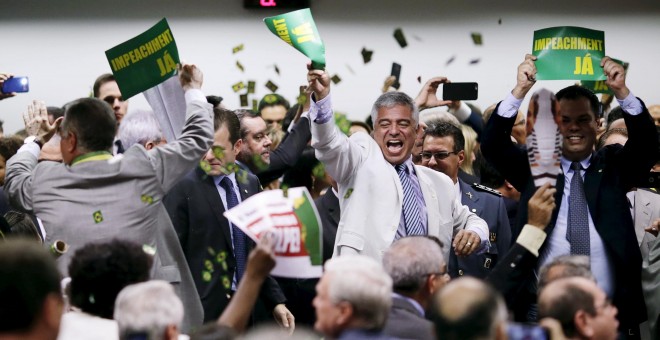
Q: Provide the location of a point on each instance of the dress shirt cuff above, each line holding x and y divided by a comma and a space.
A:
292, 125
195, 94
462, 113
631, 104
321, 112
509, 106
532, 238
32, 148
484, 246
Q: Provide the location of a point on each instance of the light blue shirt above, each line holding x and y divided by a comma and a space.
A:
415, 304
558, 245
223, 197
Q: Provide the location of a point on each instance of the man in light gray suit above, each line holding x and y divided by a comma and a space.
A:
94, 196
383, 195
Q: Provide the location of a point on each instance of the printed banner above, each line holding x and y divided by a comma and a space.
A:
544, 144
144, 61
600, 86
569, 53
297, 29
296, 224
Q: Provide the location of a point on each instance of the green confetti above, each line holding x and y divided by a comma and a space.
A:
206, 276
232, 167
221, 257
204, 164
208, 265
259, 163
98, 217
218, 151
147, 199
319, 171
211, 251
348, 193
226, 282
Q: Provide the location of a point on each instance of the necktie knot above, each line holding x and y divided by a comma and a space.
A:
401, 168
576, 166
226, 183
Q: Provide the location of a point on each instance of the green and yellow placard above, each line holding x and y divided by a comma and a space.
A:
569, 53
145, 60
297, 29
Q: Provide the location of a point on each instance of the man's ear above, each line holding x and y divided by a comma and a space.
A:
461, 157
149, 145
71, 142
583, 325
52, 310
345, 313
238, 145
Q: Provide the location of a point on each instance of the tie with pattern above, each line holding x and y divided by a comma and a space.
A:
577, 232
240, 239
410, 209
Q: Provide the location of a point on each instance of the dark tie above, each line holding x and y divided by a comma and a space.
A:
577, 232
239, 238
410, 209
120, 146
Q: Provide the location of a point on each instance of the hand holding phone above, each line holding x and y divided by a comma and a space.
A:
15, 84
396, 73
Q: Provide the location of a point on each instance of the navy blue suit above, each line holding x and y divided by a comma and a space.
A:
490, 207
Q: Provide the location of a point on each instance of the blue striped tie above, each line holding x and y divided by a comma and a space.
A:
410, 209
239, 238
578, 218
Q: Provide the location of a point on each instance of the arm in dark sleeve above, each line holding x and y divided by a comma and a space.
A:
500, 151
476, 122
271, 294
287, 153
637, 156
512, 272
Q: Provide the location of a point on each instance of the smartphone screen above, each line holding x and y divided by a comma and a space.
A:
16, 84
396, 72
460, 91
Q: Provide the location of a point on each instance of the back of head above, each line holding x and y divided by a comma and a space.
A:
147, 308
214, 100
440, 128
563, 298
438, 116
410, 260
272, 99
363, 283
93, 122
28, 275
391, 99
565, 266
468, 308
576, 92
99, 271
616, 132
139, 127
9, 146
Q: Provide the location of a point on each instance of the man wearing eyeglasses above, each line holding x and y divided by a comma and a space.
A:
443, 151
106, 89
383, 195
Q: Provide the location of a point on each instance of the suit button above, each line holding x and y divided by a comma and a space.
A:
460, 272
228, 296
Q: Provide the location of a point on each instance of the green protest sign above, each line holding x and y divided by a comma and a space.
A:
599, 86
566, 53
297, 29
144, 61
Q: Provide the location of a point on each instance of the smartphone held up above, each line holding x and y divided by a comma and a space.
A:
460, 91
15, 84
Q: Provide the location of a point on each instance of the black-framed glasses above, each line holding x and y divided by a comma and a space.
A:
437, 155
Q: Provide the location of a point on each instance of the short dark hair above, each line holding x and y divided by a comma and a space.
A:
603, 138
272, 99
564, 306
242, 114
55, 111
28, 274
99, 271
9, 146
575, 92
102, 79
223, 117
614, 114
93, 121
214, 100
490, 177
438, 128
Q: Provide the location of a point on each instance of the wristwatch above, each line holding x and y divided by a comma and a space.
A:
30, 139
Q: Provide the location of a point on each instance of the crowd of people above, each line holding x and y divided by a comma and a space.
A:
433, 226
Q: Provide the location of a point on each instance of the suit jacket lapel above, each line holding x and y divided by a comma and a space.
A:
592, 179
210, 192
430, 200
468, 197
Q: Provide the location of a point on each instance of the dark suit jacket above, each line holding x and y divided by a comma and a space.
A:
490, 207
287, 153
328, 208
196, 209
613, 171
405, 322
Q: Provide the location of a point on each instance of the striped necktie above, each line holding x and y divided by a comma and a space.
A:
410, 209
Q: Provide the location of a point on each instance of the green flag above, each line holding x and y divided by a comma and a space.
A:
600, 86
297, 29
566, 53
144, 61
305, 210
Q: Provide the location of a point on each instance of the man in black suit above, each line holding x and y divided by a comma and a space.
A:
604, 228
418, 270
443, 150
217, 251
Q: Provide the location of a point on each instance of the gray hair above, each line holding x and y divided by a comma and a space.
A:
139, 127
391, 99
147, 307
439, 116
409, 260
362, 282
573, 265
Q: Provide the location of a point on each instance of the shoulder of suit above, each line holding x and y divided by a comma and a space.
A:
483, 188
650, 190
